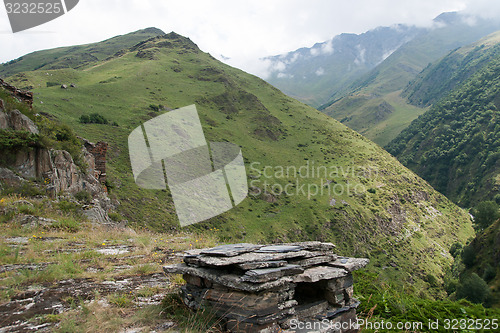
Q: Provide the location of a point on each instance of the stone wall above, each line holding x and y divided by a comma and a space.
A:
98, 150
277, 288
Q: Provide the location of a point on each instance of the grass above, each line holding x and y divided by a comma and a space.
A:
273, 130
362, 114
382, 301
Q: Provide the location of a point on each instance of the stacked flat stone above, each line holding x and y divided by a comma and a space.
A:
271, 288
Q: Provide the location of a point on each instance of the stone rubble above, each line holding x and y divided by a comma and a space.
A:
259, 288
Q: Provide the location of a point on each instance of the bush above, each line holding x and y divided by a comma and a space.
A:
68, 207
485, 213
94, 118
83, 196
489, 273
469, 256
455, 249
474, 289
115, 216
18, 140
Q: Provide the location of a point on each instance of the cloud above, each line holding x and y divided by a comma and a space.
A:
244, 32
489, 9
320, 71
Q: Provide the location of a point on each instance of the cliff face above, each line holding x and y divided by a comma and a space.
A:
55, 168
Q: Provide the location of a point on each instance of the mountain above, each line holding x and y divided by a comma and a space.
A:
317, 74
358, 79
310, 177
438, 79
76, 56
384, 84
455, 145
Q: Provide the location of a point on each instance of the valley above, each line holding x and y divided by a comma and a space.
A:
341, 187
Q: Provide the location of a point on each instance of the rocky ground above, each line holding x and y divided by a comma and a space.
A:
83, 276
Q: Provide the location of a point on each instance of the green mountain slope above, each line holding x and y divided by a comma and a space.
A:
456, 144
75, 56
485, 260
437, 80
395, 72
346, 190
316, 75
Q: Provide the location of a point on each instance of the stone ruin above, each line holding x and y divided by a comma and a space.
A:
272, 288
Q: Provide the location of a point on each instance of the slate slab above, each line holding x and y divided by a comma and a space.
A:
279, 249
229, 280
318, 273
312, 261
262, 264
245, 304
311, 309
313, 245
203, 260
230, 250
350, 264
270, 274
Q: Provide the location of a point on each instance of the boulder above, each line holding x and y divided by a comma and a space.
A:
17, 121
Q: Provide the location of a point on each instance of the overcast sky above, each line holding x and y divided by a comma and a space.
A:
242, 31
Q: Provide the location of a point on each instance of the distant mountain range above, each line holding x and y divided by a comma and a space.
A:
366, 95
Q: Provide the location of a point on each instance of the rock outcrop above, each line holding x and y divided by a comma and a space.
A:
56, 168
277, 288
21, 95
17, 121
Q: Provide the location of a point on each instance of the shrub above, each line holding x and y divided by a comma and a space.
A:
473, 288
153, 107
17, 140
68, 207
83, 196
485, 213
455, 249
469, 256
94, 118
26, 189
489, 273
115, 216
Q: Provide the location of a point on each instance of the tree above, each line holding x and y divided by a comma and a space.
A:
469, 256
473, 288
485, 213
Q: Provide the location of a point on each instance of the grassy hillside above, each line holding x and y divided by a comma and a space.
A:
455, 145
366, 202
437, 80
379, 118
75, 56
394, 74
